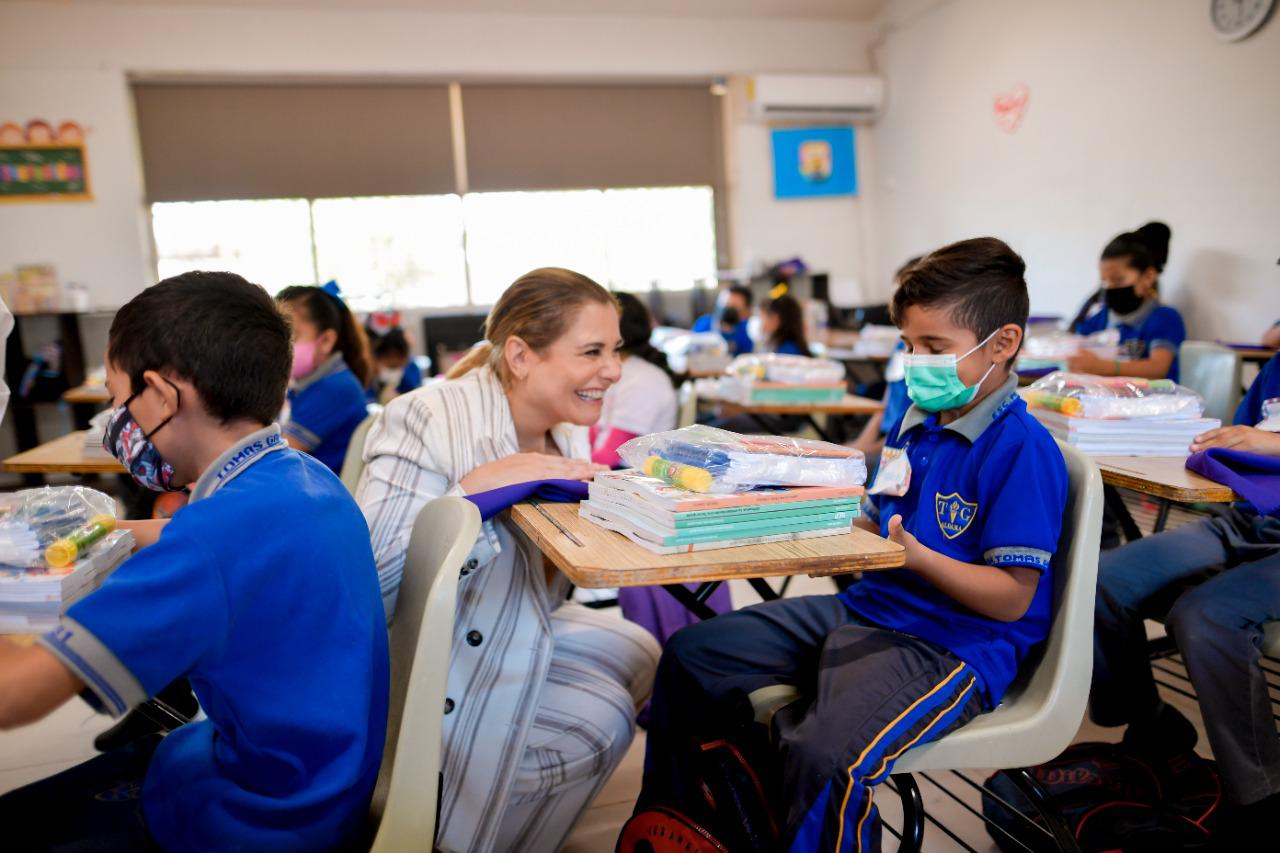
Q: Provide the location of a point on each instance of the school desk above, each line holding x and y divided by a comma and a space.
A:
1164, 478
853, 355
88, 395
605, 559
62, 456
850, 405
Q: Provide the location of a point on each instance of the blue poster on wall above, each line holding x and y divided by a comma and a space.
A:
814, 161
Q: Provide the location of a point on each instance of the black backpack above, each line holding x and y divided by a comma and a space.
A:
1114, 801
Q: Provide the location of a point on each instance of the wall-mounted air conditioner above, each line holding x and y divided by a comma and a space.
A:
834, 99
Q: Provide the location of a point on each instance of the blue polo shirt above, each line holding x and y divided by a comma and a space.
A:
739, 341
896, 399
324, 409
1266, 386
1153, 326
988, 488
263, 593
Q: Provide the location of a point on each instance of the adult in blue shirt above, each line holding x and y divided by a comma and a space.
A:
1150, 333
903, 656
1217, 624
733, 310
331, 369
261, 592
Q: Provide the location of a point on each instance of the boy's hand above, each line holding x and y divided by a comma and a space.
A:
1247, 438
1086, 362
915, 552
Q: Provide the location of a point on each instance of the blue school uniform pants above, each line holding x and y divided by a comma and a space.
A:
1215, 583
863, 696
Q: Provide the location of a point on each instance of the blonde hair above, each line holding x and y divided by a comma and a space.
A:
537, 308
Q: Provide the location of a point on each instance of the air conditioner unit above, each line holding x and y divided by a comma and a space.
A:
843, 99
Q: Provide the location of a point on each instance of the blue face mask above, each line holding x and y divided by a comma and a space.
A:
933, 383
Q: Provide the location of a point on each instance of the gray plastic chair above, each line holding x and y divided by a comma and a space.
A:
1042, 712
1212, 371
353, 462
406, 797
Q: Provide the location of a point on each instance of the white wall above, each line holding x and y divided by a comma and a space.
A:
80, 72
1137, 111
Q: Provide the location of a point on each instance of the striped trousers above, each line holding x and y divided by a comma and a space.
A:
839, 700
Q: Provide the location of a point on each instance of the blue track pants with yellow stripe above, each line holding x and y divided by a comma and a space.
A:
842, 700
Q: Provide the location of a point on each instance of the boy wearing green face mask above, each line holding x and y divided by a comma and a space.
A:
974, 489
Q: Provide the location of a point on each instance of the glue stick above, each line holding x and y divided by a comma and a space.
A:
66, 551
688, 477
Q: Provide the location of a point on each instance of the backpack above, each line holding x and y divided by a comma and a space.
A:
1113, 800
729, 811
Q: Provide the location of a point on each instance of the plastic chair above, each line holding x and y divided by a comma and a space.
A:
1271, 639
688, 412
353, 462
1213, 372
407, 794
1042, 712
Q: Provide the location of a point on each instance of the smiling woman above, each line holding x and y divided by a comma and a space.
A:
542, 692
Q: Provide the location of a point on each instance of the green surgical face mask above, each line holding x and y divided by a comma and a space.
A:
933, 383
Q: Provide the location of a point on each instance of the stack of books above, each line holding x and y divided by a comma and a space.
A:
33, 599
669, 520
93, 436
1119, 416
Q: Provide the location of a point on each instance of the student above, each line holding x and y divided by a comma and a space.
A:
398, 373
738, 299
782, 323
1217, 622
262, 592
871, 440
1150, 333
975, 493
331, 369
1271, 337
643, 400
542, 691
1155, 236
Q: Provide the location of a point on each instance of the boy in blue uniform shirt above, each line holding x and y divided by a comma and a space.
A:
262, 592
1217, 623
974, 490
1150, 333
739, 299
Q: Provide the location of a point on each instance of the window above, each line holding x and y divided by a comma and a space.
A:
408, 251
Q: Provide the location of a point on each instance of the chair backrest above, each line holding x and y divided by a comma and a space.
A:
353, 462
1213, 371
405, 799
688, 413
1041, 713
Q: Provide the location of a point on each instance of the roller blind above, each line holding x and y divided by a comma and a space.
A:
578, 136
239, 141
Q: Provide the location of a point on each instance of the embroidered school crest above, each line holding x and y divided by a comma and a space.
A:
955, 514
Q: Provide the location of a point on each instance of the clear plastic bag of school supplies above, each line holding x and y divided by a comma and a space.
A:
787, 369
695, 352
33, 519
704, 459
1081, 395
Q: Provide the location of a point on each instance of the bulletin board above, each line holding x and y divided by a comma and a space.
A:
53, 172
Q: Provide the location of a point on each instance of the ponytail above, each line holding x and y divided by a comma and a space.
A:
636, 327
478, 356
328, 311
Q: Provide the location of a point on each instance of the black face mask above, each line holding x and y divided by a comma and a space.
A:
1122, 300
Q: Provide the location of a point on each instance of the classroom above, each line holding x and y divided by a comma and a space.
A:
585, 425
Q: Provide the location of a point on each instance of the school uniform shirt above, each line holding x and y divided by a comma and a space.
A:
787, 348
739, 340
410, 378
896, 399
642, 401
517, 734
261, 592
324, 410
1152, 326
1261, 404
988, 488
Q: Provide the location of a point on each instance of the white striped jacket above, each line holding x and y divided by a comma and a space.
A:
423, 444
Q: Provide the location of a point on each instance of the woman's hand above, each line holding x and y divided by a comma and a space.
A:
524, 467
1245, 438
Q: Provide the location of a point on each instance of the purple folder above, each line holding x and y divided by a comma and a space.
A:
1253, 476
552, 491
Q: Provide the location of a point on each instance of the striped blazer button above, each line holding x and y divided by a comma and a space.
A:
474, 638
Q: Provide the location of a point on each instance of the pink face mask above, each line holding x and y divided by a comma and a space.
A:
304, 358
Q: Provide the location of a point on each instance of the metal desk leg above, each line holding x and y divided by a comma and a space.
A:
695, 600
766, 592
1162, 516
822, 433
1115, 503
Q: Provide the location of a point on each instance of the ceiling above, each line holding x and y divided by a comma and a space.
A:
836, 10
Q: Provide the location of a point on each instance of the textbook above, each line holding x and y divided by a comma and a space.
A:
1150, 436
628, 502
657, 493
664, 535
627, 531
32, 599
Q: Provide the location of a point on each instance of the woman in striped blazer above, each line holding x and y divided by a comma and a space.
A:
542, 692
